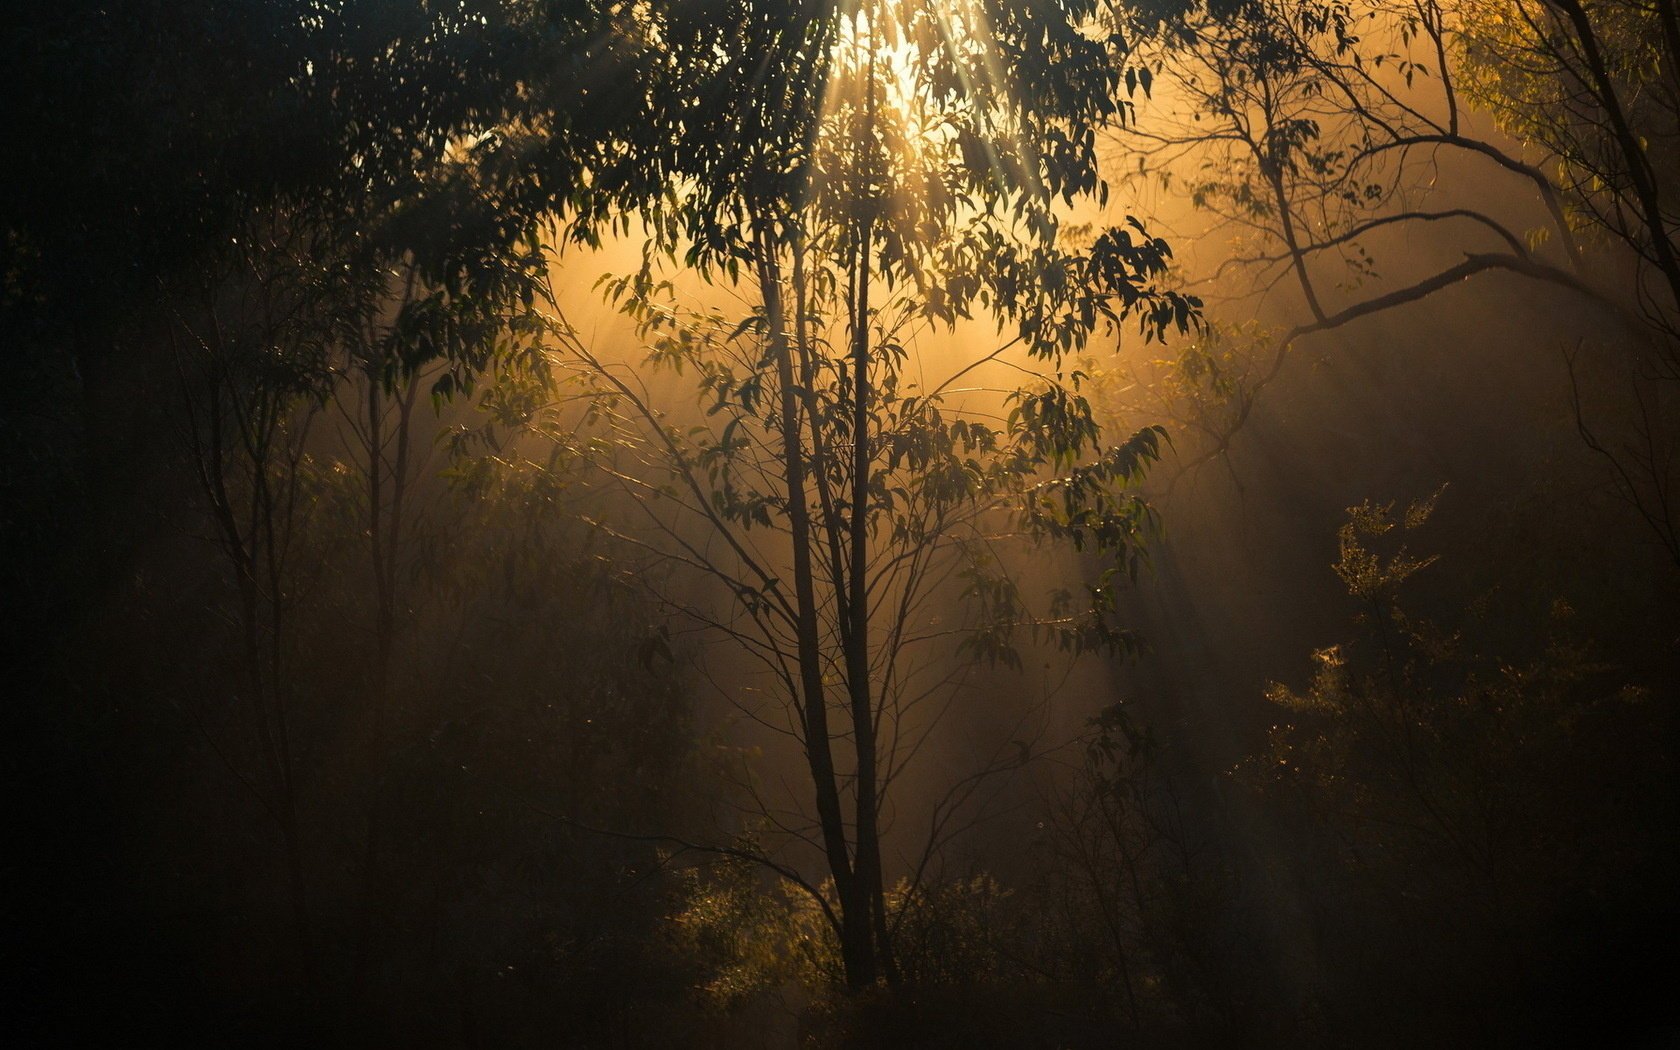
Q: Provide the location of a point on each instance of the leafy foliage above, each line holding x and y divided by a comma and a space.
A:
1480, 796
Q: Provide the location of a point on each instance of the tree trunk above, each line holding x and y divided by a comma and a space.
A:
856, 941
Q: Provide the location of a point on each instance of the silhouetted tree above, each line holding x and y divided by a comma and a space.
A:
1315, 134
868, 174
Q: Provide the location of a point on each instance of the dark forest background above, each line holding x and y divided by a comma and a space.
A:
343, 709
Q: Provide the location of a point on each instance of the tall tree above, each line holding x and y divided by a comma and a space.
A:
1316, 134
867, 176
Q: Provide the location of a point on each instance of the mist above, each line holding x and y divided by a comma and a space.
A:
898, 524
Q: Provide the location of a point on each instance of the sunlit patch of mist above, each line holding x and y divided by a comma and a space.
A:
894, 44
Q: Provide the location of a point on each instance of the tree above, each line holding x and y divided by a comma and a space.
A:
283, 205
1464, 791
867, 176
1314, 134
251, 356
219, 215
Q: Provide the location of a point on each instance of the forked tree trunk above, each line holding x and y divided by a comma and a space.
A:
856, 938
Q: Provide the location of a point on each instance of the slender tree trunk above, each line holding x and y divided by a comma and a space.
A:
384, 549
856, 943
857, 603
1634, 154
857, 641
263, 663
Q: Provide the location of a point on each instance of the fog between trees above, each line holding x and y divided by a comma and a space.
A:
888, 524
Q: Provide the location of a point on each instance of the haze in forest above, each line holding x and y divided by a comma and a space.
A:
897, 523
